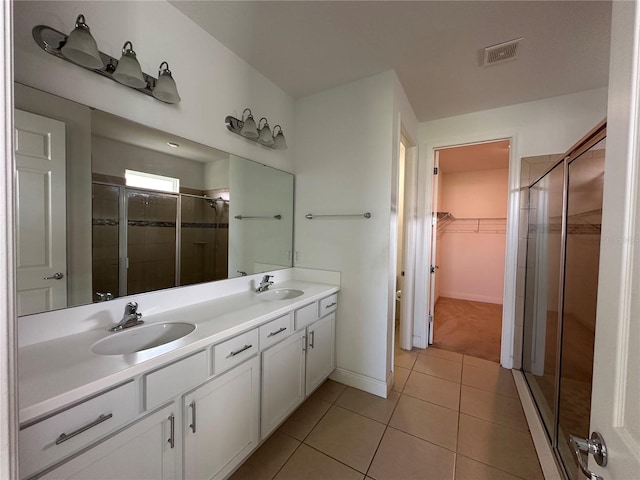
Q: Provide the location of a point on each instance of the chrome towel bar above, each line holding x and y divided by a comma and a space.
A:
244, 217
311, 216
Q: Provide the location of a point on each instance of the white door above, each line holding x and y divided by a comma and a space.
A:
282, 381
433, 267
615, 404
320, 351
41, 256
221, 422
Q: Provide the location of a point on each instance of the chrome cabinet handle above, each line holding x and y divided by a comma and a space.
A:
55, 276
192, 426
233, 354
272, 334
304, 343
331, 305
66, 436
312, 336
172, 431
595, 446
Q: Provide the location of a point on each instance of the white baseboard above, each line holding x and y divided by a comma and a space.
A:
361, 382
540, 442
471, 297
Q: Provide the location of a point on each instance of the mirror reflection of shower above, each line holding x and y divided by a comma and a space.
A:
220, 206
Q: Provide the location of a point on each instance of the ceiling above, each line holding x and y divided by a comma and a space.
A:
435, 47
481, 156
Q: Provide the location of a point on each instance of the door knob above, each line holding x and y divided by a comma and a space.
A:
55, 276
595, 446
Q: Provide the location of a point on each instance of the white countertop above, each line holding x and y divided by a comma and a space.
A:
59, 372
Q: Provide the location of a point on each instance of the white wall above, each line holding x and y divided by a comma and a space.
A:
346, 151
535, 128
213, 82
111, 157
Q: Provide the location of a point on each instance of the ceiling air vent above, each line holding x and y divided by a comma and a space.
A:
501, 52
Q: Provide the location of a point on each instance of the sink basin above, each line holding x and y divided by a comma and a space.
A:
137, 339
280, 294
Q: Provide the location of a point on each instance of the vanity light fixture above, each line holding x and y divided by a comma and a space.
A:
249, 129
80, 48
260, 133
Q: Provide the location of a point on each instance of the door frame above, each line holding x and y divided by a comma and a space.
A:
423, 243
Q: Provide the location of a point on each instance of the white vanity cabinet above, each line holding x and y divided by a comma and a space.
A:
146, 450
321, 356
221, 422
283, 380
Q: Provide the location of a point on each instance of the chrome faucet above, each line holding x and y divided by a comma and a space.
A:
264, 283
131, 318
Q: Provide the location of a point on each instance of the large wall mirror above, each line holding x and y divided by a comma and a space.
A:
108, 208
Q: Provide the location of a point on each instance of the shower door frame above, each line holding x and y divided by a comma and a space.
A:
593, 137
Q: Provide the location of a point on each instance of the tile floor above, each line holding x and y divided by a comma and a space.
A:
448, 417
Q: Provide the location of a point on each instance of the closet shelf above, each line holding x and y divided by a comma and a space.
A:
473, 225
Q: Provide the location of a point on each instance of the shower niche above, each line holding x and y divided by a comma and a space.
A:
561, 283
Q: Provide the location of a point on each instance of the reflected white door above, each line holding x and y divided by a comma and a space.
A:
615, 403
41, 257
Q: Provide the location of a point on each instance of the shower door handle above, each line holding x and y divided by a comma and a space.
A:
595, 446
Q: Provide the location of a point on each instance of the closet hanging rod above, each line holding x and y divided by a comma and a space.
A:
311, 216
245, 217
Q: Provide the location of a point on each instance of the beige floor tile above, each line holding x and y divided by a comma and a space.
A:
490, 379
405, 457
400, 376
479, 362
372, 406
268, 459
438, 367
302, 421
467, 469
503, 448
309, 464
500, 409
348, 437
433, 389
445, 354
405, 358
329, 391
430, 422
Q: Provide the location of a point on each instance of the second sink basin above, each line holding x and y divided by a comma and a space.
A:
280, 294
142, 338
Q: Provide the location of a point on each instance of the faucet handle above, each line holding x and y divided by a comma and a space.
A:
266, 278
131, 308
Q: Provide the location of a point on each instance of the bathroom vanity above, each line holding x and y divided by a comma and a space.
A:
192, 408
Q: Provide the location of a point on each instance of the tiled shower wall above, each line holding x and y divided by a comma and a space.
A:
531, 169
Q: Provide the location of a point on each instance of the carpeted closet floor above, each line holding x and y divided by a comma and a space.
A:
470, 328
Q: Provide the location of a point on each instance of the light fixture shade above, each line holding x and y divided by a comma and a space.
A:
265, 136
128, 71
279, 142
81, 47
249, 128
165, 89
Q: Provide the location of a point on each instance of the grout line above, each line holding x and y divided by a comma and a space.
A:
492, 466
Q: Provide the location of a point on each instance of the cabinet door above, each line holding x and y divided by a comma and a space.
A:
221, 422
320, 351
145, 450
283, 387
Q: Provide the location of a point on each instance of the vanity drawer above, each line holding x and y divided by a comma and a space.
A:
53, 438
164, 384
306, 315
275, 330
235, 351
328, 305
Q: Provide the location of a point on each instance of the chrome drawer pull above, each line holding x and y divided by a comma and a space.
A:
192, 405
172, 433
272, 334
66, 436
331, 305
233, 354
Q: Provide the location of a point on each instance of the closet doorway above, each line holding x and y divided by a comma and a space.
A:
470, 199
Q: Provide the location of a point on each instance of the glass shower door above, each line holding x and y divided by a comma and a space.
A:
582, 254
